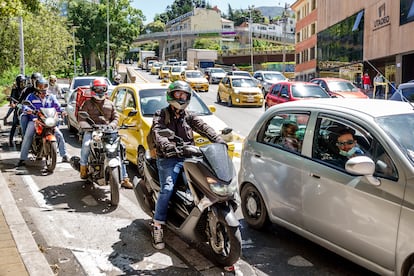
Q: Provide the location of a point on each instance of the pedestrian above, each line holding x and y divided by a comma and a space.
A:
54, 88
366, 81
378, 82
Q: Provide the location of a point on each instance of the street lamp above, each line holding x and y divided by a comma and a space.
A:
285, 20
251, 36
21, 44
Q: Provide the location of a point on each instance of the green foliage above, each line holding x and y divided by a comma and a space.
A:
205, 43
13, 8
156, 26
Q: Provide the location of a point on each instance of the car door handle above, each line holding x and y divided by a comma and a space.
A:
257, 155
315, 175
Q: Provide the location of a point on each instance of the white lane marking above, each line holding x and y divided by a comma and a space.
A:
34, 189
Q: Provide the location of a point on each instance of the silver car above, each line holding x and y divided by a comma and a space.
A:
360, 207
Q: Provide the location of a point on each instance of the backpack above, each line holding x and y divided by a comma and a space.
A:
150, 137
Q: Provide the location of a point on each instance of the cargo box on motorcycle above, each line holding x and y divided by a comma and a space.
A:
83, 93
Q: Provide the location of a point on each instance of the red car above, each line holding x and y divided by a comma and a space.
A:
287, 91
340, 88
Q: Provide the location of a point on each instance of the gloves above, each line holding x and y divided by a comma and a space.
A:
171, 151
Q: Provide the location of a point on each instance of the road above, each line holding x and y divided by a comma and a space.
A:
80, 233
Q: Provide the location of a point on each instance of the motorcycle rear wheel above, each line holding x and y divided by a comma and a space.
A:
113, 178
51, 156
227, 250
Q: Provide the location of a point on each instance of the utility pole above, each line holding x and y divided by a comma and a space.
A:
284, 20
108, 59
251, 36
21, 44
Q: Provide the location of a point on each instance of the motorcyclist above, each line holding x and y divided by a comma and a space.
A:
24, 118
40, 99
117, 80
101, 111
54, 87
169, 158
15, 95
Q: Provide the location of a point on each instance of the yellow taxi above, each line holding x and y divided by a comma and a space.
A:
195, 79
155, 69
145, 99
239, 90
175, 72
164, 72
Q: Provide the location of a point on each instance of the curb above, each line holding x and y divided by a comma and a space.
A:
34, 261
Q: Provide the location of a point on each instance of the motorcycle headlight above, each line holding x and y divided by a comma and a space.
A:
111, 147
96, 136
221, 188
50, 122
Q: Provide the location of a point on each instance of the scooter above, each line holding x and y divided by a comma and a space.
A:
105, 158
208, 214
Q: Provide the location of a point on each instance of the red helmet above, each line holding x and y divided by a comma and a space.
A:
99, 87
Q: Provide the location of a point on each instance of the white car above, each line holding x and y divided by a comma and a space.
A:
86, 81
268, 78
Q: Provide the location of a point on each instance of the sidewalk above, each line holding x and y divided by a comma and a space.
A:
19, 254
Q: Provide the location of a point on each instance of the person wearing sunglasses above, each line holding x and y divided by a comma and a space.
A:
347, 145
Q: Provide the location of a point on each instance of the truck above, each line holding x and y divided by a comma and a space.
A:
143, 57
201, 58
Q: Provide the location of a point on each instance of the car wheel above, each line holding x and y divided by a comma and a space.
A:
218, 98
253, 207
230, 102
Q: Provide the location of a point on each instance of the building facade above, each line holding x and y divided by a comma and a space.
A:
305, 39
354, 37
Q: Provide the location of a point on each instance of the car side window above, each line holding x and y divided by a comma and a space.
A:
119, 99
285, 130
130, 100
329, 147
275, 89
284, 91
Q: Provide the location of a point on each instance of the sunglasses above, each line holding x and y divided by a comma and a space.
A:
349, 142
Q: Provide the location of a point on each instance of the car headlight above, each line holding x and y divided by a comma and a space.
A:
221, 188
236, 91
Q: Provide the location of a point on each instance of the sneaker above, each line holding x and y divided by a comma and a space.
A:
65, 159
157, 237
21, 163
126, 183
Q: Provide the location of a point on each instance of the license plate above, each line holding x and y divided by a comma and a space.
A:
250, 99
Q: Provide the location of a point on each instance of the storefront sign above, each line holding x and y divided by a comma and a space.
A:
383, 18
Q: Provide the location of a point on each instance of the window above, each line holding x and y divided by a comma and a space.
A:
285, 130
119, 99
326, 147
130, 100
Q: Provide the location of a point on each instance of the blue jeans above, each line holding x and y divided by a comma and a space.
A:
24, 120
168, 171
86, 149
28, 139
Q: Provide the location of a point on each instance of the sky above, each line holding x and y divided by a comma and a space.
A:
150, 8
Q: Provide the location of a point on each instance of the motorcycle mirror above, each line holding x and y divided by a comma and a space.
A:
132, 113
226, 130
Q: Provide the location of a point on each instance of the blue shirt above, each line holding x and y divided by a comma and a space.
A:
50, 100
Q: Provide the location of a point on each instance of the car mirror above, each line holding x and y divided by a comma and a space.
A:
128, 110
212, 108
364, 166
259, 78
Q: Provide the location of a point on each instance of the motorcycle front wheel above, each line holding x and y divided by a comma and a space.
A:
113, 178
51, 156
226, 246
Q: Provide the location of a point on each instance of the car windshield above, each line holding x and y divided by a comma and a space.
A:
273, 77
243, 83
165, 68
152, 100
176, 69
245, 74
342, 86
194, 75
308, 91
400, 129
82, 82
217, 70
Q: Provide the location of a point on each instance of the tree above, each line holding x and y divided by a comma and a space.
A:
156, 26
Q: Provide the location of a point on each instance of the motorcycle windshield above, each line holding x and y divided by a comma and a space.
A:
219, 160
48, 111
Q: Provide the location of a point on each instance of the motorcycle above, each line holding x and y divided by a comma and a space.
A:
105, 158
208, 214
44, 143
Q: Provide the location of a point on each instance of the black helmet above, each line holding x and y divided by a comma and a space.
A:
41, 85
20, 81
35, 76
179, 102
